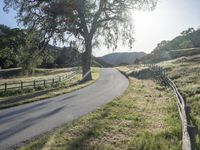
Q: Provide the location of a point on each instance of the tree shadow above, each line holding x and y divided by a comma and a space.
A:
26, 124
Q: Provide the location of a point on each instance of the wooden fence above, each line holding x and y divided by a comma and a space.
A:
188, 135
38, 83
187, 130
184, 115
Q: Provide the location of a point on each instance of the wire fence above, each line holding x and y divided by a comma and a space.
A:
21, 85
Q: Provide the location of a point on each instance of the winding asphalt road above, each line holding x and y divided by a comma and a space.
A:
21, 123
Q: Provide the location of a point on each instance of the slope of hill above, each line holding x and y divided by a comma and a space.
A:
186, 44
168, 55
122, 58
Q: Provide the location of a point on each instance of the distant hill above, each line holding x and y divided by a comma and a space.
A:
186, 44
168, 55
122, 58
99, 62
69, 57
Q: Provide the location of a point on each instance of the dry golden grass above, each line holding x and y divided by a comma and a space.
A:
143, 118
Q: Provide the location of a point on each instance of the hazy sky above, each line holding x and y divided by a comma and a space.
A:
169, 18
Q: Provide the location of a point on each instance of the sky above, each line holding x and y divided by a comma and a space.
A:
165, 22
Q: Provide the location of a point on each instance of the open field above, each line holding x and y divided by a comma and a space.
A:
40, 74
28, 84
145, 117
65, 87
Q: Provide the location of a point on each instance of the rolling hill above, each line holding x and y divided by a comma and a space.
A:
122, 58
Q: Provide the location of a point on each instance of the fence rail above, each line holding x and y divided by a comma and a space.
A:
159, 74
184, 115
187, 130
38, 83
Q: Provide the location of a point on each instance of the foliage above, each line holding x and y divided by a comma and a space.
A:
30, 52
10, 40
85, 21
7, 58
22, 48
189, 38
68, 57
79, 17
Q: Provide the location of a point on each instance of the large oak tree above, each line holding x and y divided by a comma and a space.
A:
88, 22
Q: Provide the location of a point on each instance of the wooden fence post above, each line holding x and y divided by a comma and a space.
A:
59, 79
34, 84
44, 83
21, 84
5, 86
53, 81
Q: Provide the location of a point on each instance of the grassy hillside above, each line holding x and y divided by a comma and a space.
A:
145, 117
185, 44
169, 55
185, 72
122, 58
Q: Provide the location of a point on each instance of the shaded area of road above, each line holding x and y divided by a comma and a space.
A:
24, 122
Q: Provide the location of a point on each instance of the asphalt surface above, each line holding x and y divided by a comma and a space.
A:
21, 123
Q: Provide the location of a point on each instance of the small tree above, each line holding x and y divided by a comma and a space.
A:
88, 22
30, 52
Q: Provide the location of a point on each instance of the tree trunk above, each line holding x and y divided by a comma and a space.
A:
86, 61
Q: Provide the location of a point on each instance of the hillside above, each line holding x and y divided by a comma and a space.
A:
169, 55
122, 58
186, 44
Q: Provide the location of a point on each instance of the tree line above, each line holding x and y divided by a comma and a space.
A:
88, 23
19, 48
189, 38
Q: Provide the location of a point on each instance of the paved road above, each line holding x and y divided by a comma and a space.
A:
24, 122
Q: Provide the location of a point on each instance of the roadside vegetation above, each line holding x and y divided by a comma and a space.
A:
15, 75
65, 87
185, 72
43, 79
145, 117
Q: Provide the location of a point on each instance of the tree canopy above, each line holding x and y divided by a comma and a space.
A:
10, 40
87, 22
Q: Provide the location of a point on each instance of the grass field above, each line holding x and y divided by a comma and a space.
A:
46, 79
143, 118
40, 74
185, 72
65, 87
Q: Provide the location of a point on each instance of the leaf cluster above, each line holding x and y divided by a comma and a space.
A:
100, 21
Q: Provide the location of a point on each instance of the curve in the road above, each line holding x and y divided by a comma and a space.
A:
21, 123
